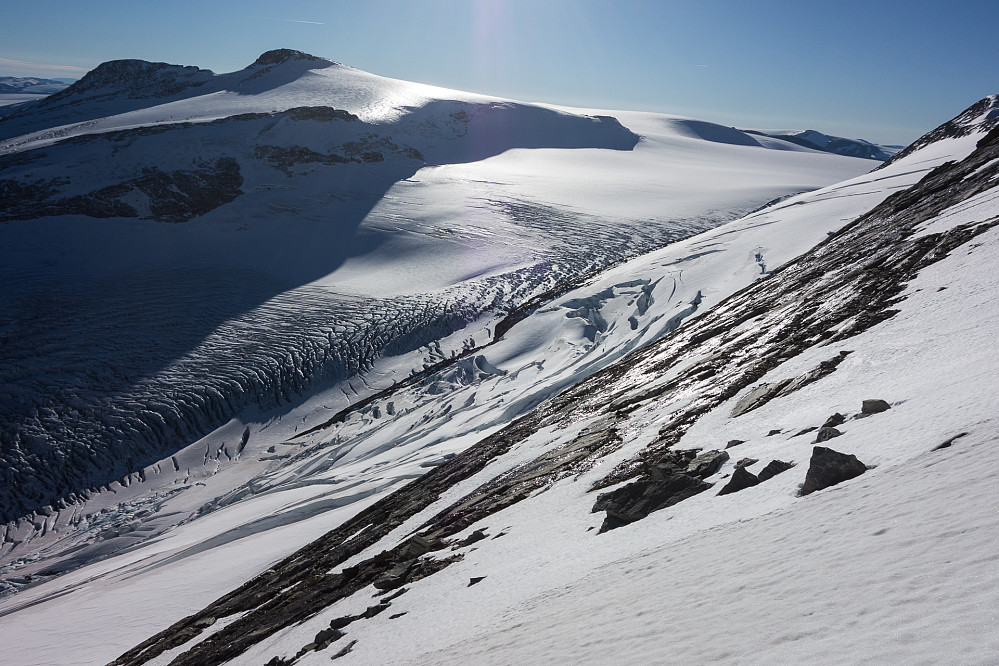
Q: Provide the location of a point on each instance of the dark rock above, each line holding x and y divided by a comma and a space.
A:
774, 432
734, 442
706, 463
764, 393
372, 611
344, 652
395, 595
805, 431
640, 498
874, 407
834, 420
325, 637
394, 577
475, 579
397, 615
746, 462
418, 545
773, 468
477, 535
947, 444
825, 434
828, 467
278, 56
742, 478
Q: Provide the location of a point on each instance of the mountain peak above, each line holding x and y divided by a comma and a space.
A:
278, 56
140, 78
979, 118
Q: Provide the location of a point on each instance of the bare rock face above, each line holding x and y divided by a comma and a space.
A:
828, 467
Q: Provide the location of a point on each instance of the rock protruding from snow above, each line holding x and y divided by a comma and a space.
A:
834, 420
707, 463
773, 468
826, 433
741, 479
982, 116
279, 56
676, 477
874, 407
828, 467
764, 393
135, 79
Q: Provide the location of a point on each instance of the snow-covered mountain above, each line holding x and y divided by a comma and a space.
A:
30, 84
16, 90
515, 445
252, 237
832, 144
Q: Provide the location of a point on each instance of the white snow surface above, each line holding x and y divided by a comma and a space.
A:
761, 576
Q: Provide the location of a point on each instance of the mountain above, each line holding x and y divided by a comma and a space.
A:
592, 377
28, 84
254, 237
832, 144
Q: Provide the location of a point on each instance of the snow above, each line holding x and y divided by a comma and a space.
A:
763, 576
895, 566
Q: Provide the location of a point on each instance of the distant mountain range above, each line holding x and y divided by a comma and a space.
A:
832, 144
31, 84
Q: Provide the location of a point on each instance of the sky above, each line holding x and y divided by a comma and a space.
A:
882, 70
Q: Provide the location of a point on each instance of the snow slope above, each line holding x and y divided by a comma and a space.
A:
567, 572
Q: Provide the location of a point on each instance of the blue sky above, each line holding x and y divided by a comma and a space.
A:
886, 71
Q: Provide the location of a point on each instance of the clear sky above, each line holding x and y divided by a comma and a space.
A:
886, 71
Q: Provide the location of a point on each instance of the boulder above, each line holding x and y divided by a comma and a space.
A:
874, 407
640, 498
706, 464
734, 442
742, 478
834, 420
828, 467
826, 433
773, 468
746, 462
477, 535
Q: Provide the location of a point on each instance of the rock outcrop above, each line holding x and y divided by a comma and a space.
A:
828, 467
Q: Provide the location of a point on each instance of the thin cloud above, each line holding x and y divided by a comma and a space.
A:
268, 18
8, 62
